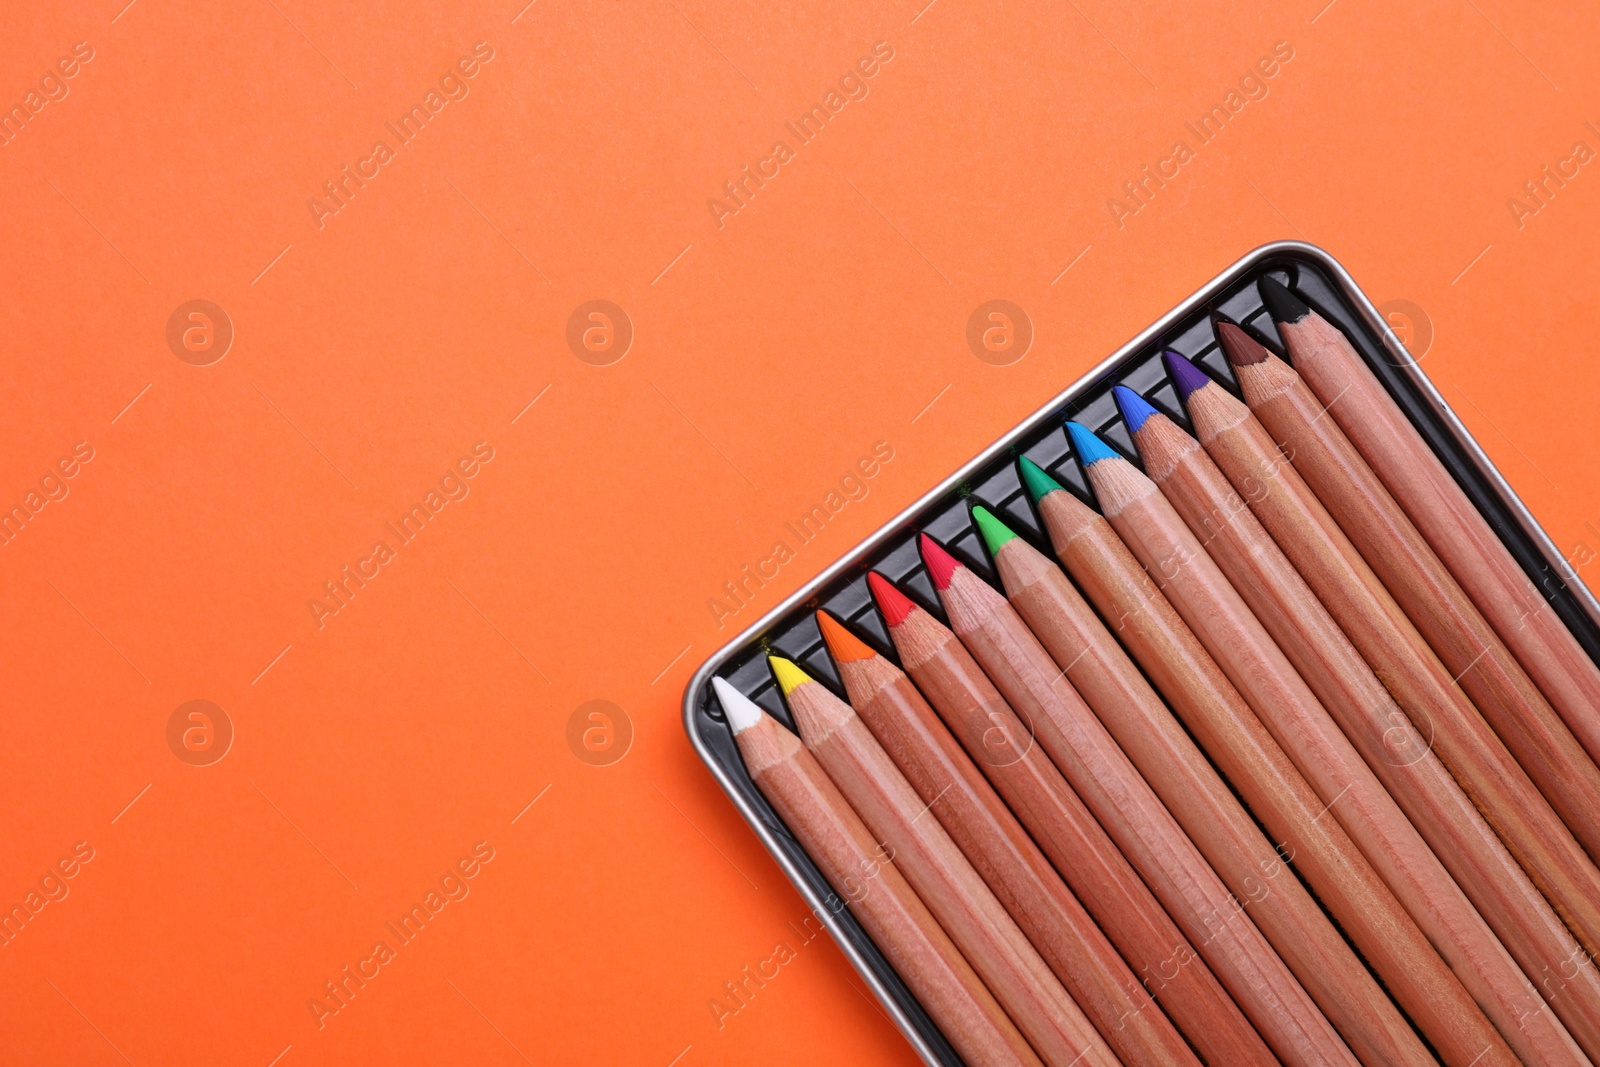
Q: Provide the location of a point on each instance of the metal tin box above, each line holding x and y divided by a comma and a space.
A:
991, 478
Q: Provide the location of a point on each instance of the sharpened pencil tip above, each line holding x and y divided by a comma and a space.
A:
1282, 305
995, 533
941, 564
1038, 482
742, 712
1241, 349
1188, 378
1135, 409
1090, 449
894, 604
844, 646
790, 676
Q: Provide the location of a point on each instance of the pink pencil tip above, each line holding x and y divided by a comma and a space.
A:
892, 602
941, 564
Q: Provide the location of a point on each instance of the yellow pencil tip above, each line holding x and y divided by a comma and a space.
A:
790, 677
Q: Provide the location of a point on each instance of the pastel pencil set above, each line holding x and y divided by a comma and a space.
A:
1229, 710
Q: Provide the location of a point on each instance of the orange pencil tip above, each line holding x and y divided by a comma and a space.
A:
845, 646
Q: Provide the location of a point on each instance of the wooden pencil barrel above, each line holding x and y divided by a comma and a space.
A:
892, 915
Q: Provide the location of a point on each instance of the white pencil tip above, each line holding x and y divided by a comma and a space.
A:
742, 712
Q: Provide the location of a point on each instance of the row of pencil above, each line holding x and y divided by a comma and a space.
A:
1282, 758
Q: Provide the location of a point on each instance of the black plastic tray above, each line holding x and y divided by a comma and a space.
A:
992, 479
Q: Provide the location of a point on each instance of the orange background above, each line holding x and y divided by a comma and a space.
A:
372, 351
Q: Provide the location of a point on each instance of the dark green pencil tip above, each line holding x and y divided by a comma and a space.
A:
1038, 482
995, 533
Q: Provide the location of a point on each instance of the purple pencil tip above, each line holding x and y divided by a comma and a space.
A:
1185, 375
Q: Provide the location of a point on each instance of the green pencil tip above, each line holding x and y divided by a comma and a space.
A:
1038, 482
995, 533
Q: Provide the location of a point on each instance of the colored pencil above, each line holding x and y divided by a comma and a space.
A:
1399, 743
1535, 828
1101, 773
1004, 747
853, 862
953, 891
1428, 591
995, 843
1215, 819
1322, 851
1454, 528
1484, 982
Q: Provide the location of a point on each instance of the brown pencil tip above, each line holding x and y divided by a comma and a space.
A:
843, 645
1241, 349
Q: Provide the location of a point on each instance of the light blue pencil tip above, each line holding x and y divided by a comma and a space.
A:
1090, 448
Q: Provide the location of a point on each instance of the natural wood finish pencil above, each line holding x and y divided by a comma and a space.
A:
1182, 977
995, 843
1532, 823
1215, 819
1402, 754
864, 879
1320, 849
1454, 528
953, 891
1484, 981
1426, 589
1101, 773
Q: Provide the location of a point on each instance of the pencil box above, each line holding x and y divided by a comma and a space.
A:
991, 478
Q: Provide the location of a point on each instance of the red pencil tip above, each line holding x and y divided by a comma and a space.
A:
891, 601
845, 646
941, 564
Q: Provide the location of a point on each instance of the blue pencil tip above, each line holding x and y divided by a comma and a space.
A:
1090, 448
1133, 407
